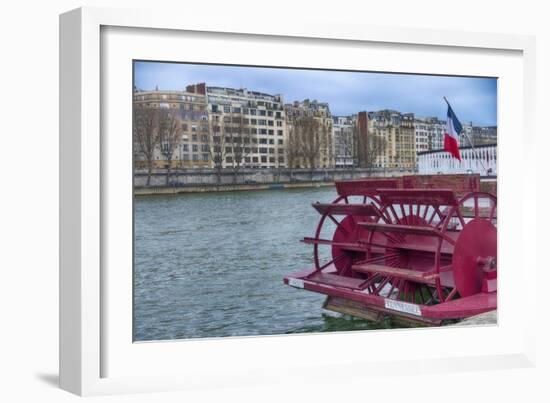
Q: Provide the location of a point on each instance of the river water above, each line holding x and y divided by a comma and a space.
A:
212, 265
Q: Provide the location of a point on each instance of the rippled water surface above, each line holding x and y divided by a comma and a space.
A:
212, 265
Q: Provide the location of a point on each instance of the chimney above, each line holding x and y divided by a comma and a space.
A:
196, 88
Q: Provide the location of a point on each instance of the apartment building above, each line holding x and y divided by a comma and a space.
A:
344, 133
424, 132
467, 134
483, 135
398, 133
320, 142
250, 126
430, 131
191, 108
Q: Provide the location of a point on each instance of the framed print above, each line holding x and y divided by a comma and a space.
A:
195, 156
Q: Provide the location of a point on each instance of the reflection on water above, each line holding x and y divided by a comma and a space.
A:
211, 265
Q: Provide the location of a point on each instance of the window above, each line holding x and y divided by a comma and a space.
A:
226, 109
262, 122
253, 112
270, 123
204, 147
194, 137
185, 147
279, 132
195, 157
279, 123
215, 108
205, 157
280, 141
263, 131
270, 131
264, 159
261, 112
237, 110
195, 148
271, 141
269, 113
263, 150
253, 121
204, 138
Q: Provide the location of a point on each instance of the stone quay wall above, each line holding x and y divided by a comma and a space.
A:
207, 177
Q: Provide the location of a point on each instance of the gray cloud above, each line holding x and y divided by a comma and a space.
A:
473, 99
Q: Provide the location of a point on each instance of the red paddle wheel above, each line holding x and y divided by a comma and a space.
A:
421, 248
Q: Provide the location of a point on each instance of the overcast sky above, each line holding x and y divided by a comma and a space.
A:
472, 99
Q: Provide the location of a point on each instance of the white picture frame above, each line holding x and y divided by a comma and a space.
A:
88, 335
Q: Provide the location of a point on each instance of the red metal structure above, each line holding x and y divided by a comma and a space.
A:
421, 248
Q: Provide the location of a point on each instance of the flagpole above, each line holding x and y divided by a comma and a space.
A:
470, 141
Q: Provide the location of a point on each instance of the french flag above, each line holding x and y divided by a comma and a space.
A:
452, 131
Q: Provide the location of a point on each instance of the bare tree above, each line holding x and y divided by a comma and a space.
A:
146, 135
376, 147
292, 148
355, 147
327, 142
216, 146
310, 140
170, 131
239, 139
367, 147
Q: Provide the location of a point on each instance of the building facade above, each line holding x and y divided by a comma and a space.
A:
321, 141
466, 134
482, 160
482, 135
430, 134
233, 128
398, 133
251, 124
191, 109
344, 133
423, 133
